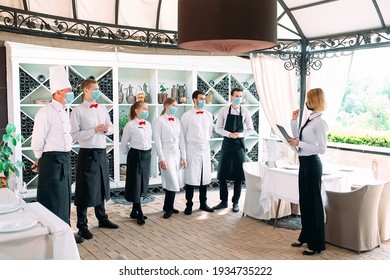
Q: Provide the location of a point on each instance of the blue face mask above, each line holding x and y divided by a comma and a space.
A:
237, 100
95, 94
172, 110
201, 104
69, 97
144, 114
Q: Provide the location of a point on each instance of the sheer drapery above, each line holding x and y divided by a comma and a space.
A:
332, 77
278, 90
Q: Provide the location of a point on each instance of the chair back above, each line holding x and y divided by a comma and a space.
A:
253, 174
352, 218
384, 213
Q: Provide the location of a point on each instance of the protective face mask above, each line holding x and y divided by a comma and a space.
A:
69, 97
144, 114
172, 110
201, 104
308, 107
95, 94
237, 100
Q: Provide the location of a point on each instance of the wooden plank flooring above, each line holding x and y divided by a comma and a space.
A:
222, 235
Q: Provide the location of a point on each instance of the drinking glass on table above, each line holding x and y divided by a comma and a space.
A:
20, 192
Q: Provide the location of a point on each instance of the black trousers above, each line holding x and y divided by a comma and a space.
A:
190, 195
82, 221
310, 202
169, 200
223, 191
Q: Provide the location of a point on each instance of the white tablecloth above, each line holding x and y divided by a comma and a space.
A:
282, 183
50, 238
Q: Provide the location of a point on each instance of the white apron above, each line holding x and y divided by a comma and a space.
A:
198, 162
172, 178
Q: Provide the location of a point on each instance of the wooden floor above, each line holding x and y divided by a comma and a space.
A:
217, 236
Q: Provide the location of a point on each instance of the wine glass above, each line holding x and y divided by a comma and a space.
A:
20, 192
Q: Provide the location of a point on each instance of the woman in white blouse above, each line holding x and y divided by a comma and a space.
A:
170, 148
137, 143
311, 140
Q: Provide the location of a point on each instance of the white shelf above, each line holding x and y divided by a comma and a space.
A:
134, 70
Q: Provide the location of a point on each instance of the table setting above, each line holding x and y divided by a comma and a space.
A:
29, 231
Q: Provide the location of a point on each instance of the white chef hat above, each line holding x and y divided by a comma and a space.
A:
58, 78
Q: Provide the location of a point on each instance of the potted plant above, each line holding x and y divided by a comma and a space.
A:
123, 120
162, 95
7, 166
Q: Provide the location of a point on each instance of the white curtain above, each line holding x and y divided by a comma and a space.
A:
278, 90
332, 77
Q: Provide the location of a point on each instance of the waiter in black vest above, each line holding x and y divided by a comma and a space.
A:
234, 123
90, 124
51, 143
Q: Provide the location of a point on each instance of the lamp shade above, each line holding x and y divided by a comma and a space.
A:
227, 26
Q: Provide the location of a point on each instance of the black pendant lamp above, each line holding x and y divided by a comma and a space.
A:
227, 26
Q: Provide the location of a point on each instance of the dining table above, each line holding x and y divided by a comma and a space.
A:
29, 231
281, 183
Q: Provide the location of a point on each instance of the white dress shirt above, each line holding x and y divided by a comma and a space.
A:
84, 119
168, 136
314, 135
137, 136
51, 130
246, 117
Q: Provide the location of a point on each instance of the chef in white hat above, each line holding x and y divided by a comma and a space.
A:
51, 143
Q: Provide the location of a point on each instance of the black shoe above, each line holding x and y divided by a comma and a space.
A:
107, 224
206, 208
141, 220
85, 233
310, 253
168, 214
236, 208
135, 216
297, 244
79, 239
221, 205
175, 211
188, 210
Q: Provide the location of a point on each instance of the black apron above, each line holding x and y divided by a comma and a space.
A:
232, 151
137, 174
92, 178
54, 183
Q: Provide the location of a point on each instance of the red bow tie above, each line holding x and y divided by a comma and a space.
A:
94, 105
199, 112
171, 119
142, 123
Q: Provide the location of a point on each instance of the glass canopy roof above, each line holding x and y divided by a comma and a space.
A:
297, 19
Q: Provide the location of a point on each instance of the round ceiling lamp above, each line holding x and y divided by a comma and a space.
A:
227, 26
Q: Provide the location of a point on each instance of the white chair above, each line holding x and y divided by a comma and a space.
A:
253, 181
384, 213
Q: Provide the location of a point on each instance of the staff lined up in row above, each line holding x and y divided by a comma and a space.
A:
182, 147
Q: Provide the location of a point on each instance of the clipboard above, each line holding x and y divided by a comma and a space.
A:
286, 136
284, 132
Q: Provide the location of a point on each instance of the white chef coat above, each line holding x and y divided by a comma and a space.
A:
51, 131
137, 136
84, 119
170, 147
197, 131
